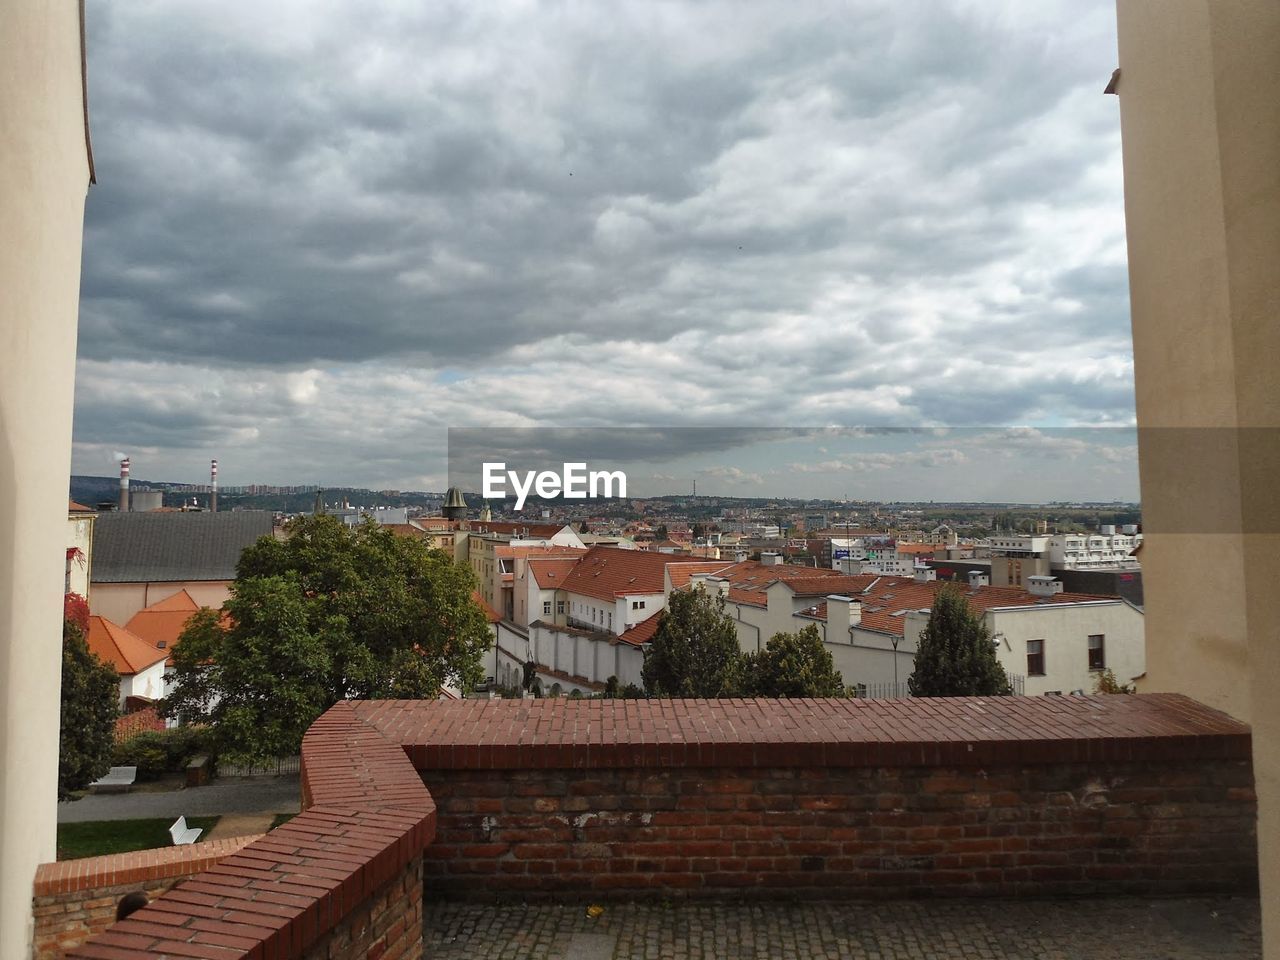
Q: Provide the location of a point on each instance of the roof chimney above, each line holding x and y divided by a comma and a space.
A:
124, 485
979, 579
771, 559
843, 613
925, 573
213, 486
1043, 586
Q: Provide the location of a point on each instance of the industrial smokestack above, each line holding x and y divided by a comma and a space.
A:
124, 485
213, 486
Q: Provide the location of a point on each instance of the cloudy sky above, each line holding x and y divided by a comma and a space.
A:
324, 233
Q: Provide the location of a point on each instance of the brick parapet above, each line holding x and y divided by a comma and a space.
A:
696, 767
367, 818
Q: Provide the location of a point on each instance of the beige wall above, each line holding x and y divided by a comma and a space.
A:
118, 602
1200, 119
44, 174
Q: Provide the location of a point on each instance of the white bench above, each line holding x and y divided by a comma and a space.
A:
182, 834
117, 778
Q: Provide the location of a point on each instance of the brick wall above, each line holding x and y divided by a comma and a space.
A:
1007, 795
329, 883
384, 926
77, 898
868, 832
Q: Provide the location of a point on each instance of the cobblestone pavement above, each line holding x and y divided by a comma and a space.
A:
1125, 929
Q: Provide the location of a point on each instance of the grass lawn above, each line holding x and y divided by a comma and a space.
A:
96, 837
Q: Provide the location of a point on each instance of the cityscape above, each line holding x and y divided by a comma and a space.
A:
669, 481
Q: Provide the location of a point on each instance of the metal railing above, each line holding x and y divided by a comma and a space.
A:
888, 690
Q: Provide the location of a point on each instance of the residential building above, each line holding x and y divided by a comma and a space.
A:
140, 665
1049, 640
80, 520
141, 558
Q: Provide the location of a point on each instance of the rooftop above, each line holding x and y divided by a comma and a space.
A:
159, 547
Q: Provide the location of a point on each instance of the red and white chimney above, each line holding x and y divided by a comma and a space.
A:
213, 486
124, 485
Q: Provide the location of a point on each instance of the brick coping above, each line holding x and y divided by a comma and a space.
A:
952, 731
366, 815
137, 866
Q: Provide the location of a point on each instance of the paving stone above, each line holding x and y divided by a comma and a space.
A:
1117, 929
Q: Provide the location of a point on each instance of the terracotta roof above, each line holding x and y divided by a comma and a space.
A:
885, 605
492, 615
643, 631
160, 624
553, 550
548, 573
680, 571
73, 507
754, 575
608, 572
850, 585
115, 645
753, 598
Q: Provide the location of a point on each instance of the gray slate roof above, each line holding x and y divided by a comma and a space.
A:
150, 547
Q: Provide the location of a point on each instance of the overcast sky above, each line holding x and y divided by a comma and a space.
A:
323, 233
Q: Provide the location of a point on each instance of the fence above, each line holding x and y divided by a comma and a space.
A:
888, 690
272, 768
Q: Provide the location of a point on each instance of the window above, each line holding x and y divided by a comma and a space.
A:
546, 608
1035, 658
610, 619
637, 604
1097, 651
559, 606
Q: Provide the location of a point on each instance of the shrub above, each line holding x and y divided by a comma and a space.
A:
155, 753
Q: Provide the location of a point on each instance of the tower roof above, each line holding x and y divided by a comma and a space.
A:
453, 498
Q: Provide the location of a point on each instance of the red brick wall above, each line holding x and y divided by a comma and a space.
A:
965, 795
75, 899
384, 926
1059, 829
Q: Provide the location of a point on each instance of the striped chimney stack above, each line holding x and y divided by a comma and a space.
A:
124, 485
213, 486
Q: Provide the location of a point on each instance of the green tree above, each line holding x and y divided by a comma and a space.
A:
794, 665
699, 532
331, 613
661, 532
1106, 682
90, 704
955, 656
694, 652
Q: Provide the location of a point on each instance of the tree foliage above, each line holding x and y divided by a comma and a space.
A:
695, 650
1106, 682
90, 704
330, 613
793, 665
955, 656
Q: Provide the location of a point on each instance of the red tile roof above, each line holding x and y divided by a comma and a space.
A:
549, 573
681, 571
754, 575
115, 645
898, 595
492, 615
140, 721
161, 623
609, 572
920, 548
73, 507
643, 631
506, 550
